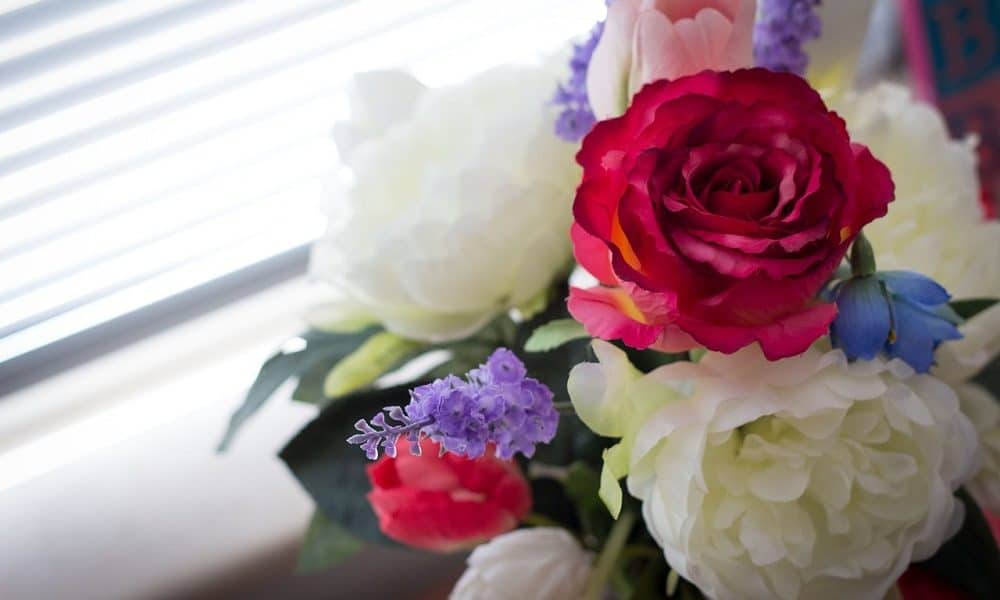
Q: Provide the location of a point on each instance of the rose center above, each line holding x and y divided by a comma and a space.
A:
738, 190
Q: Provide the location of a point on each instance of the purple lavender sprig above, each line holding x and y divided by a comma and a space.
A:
576, 117
781, 30
378, 432
496, 403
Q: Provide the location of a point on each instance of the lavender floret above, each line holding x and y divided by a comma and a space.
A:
782, 29
576, 118
497, 403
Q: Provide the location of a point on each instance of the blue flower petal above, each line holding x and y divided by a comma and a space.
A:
918, 332
915, 286
863, 321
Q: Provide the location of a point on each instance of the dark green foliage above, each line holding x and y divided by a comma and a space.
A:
331, 470
971, 307
320, 349
326, 545
969, 561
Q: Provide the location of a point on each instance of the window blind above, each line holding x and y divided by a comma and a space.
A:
149, 149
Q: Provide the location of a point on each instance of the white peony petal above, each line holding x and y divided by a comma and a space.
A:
779, 483
763, 484
546, 563
436, 236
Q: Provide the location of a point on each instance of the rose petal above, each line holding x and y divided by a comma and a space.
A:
609, 314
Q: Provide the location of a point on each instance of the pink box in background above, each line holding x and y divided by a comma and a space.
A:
953, 48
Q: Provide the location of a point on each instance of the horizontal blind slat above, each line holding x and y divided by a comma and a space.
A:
168, 148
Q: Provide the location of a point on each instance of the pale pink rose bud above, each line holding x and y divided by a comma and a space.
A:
647, 40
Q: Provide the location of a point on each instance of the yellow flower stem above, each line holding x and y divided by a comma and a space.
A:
608, 557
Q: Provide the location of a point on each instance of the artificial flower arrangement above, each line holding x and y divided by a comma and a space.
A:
767, 305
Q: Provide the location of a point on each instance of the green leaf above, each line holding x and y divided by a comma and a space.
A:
574, 440
582, 484
326, 545
549, 499
320, 348
971, 307
651, 582
970, 561
554, 334
309, 388
378, 355
989, 377
332, 471
650, 360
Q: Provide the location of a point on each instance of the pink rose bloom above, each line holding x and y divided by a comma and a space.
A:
715, 209
647, 40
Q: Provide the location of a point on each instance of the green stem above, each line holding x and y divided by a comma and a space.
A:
634, 552
564, 408
609, 556
862, 257
540, 520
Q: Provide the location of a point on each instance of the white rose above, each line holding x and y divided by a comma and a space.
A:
542, 563
984, 411
807, 477
935, 226
459, 207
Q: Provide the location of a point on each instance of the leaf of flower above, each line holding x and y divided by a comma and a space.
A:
331, 470
554, 334
971, 307
321, 348
582, 483
378, 355
970, 561
326, 544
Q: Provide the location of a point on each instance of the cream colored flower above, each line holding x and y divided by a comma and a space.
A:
803, 478
459, 207
542, 563
935, 226
613, 399
984, 411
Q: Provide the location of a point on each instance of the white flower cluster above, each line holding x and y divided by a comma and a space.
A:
936, 227
542, 563
459, 207
803, 478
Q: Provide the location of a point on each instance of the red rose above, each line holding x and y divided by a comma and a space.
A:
715, 209
446, 502
917, 584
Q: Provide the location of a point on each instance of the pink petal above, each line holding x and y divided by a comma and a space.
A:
734, 263
687, 9
659, 52
785, 337
603, 312
739, 50
593, 255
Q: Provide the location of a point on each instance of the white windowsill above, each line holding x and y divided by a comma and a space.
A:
109, 482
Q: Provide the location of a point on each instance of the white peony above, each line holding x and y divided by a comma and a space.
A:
936, 225
984, 411
459, 207
806, 478
542, 563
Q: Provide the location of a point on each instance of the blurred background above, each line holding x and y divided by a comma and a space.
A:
161, 176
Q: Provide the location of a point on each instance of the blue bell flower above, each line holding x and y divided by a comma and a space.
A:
901, 313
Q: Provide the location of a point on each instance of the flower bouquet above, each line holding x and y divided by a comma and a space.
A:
763, 301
